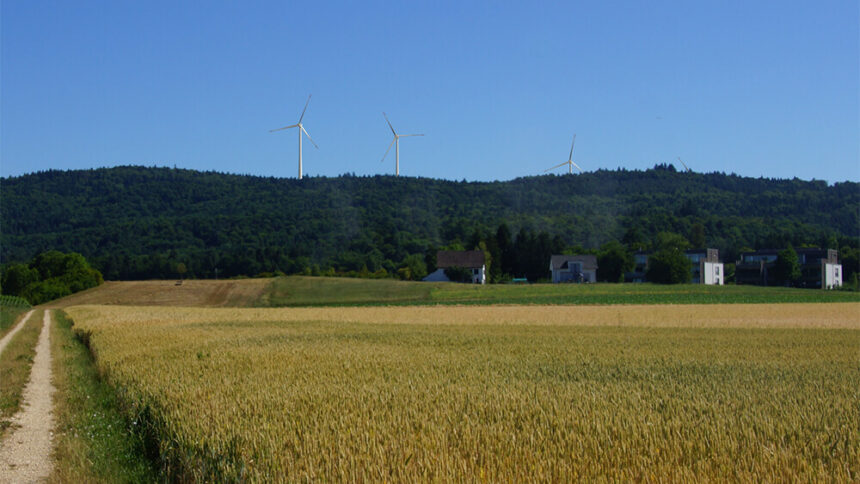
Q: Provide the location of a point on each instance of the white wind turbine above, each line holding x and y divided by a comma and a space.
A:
301, 130
395, 141
570, 164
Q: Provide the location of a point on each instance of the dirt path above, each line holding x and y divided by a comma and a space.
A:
6, 339
25, 454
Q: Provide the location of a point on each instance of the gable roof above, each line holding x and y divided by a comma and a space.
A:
557, 262
469, 259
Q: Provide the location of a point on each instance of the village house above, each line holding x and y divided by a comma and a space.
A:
471, 260
573, 268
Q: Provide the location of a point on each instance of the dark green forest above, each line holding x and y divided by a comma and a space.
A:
138, 222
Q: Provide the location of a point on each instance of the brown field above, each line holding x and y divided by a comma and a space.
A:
192, 293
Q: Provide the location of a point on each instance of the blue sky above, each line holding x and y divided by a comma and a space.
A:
760, 88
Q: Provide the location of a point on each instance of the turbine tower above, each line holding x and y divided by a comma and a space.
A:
570, 164
301, 130
395, 141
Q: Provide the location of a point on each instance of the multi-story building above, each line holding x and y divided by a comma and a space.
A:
706, 267
819, 268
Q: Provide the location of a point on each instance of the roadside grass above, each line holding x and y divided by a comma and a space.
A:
94, 441
15, 363
325, 291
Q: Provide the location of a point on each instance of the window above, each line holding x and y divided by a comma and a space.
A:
717, 270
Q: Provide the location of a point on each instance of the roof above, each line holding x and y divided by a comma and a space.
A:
589, 262
469, 259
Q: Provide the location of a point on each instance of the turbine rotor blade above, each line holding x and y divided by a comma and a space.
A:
389, 123
309, 137
557, 166
405, 135
577, 166
305, 109
570, 158
389, 149
285, 127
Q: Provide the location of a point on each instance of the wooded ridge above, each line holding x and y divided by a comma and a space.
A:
136, 222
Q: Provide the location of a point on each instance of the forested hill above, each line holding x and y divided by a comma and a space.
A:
138, 222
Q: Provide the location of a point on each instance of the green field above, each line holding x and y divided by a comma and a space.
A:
323, 291
10, 309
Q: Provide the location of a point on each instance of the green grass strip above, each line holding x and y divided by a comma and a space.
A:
94, 441
324, 291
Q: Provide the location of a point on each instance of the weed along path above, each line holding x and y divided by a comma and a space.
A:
11, 334
25, 454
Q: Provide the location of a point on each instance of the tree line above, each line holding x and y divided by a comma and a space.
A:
141, 223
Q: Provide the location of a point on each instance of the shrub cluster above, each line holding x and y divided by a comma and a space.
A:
50, 275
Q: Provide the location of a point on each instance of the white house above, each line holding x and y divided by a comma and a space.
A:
573, 268
471, 260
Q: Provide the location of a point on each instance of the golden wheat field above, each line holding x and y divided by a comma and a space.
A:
503, 393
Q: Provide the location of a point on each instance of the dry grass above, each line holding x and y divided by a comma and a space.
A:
192, 293
765, 392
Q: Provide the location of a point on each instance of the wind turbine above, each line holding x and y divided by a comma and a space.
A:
395, 141
570, 164
301, 130
685, 165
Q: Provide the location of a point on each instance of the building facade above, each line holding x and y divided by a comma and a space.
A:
707, 268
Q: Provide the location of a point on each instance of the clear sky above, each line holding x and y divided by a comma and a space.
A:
761, 88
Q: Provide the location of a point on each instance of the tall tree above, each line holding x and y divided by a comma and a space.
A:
613, 261
669, 265
786, 269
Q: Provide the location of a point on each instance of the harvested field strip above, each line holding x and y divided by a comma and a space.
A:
199, 293
370, 394
841, 315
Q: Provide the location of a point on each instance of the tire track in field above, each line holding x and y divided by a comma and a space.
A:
25, 454
11, 334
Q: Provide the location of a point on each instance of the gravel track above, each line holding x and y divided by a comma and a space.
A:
25, 454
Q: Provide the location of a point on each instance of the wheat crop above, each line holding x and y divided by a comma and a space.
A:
766, 392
